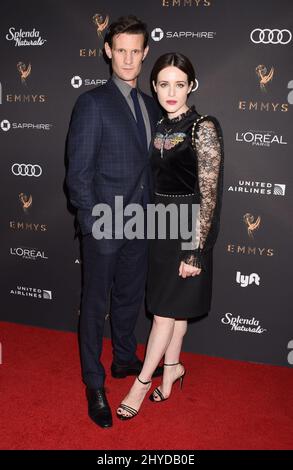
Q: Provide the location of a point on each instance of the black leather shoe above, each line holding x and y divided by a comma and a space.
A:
98, 407
120, 371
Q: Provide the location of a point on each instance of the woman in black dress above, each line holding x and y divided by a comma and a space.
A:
187, 165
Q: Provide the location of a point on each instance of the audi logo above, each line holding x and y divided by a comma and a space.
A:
26, 169
271, 36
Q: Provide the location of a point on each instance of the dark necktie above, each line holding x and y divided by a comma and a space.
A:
139, 118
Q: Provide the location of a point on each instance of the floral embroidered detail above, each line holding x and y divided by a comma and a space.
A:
168, 142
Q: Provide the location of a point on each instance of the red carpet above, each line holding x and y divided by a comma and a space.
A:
224, 404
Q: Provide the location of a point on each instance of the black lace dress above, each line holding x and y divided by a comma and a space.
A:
187, 165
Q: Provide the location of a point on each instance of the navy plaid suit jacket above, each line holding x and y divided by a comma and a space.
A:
105, 156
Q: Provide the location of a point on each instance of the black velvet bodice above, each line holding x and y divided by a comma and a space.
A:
187, 158
173, 159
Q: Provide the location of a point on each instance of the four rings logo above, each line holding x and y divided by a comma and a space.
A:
26, 169
270, 36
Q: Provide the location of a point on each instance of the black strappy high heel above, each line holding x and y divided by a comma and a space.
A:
158, 391
132, 411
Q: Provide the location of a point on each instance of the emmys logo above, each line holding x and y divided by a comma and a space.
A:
35, 98
264, 76
24, 71
12, 98
26, 226
268, 107
26, 201
251, 224
101, 24
245, 281
32, 99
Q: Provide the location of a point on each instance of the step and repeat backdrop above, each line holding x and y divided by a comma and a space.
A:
51, 52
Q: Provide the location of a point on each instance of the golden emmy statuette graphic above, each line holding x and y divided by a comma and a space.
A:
24, 71
101, 24
26, 201
251, 224
264, 76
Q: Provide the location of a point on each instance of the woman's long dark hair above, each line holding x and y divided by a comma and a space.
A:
173, 59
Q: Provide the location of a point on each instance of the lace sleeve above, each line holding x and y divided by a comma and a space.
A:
208, 144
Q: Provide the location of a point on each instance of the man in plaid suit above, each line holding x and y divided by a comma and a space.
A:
109, 135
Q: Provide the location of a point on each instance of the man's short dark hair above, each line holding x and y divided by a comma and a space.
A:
127, 24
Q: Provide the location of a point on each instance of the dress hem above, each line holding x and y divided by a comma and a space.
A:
179, 316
